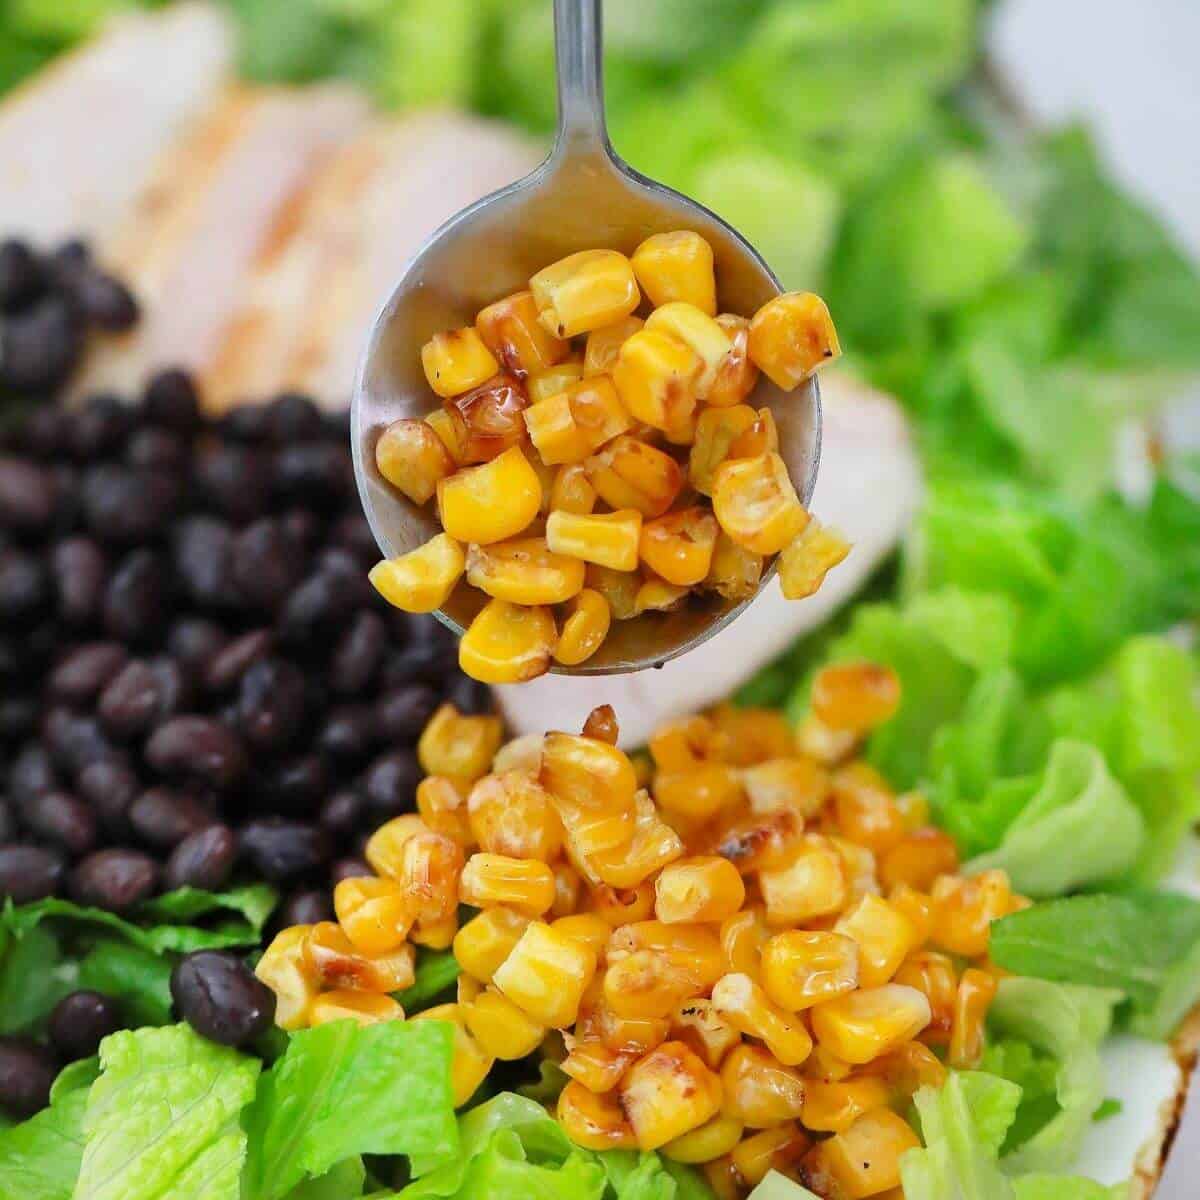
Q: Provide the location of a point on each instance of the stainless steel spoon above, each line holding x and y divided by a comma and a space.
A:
582, 197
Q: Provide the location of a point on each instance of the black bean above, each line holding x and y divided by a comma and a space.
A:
30, 873
85, 671
423, 660
126, 506
26, 496
45, 430
349, 732
319, 608
32, 773
234, 481
237, 657
468, 695
337, 560
280, 849
136, 599
221, 998
390, 783
199, 747
349, 868
402, 713
353, 534
157, 449
106, 301
18, 717
24, 587
271, 703
26, 1072
62, 819
267, 564
100, 427
22, 277
195, 640
81, 1021
171, 402
162, 817
293, 418
296, 786
40, 346
80, 572
359, 654
8, 823
302, 527
115, 879
202, 552
249, 423
304, 908
342, 813
74, 741
110, 787
203, 859
318, 472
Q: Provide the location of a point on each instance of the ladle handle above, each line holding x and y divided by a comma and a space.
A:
578, 34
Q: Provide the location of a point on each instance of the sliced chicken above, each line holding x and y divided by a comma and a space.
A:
868, 487
78, 142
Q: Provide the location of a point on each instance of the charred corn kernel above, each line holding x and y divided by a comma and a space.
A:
585, 291
492, 502
630, 1036
284, 970
656, 379
601, 725
737, 376
653, 846
442, 805
586, 773
593, 832
802, 967
568, 890
964, 909
546, 975
448, 433
511, 330
808, 558
756, 843
834, 1107
914, 808
608, 539
760, 437
411, 457
755, 503
584, 628
797, 784
698, 1025
604, 344
489, 418
502, 1030
791, 336
593, 1121
587, 928
429, 868
666, 1093
918, 858
619, 589
647, 983
678, 547
621, 906
685, 742
976, 991
373, 913
758, 1089
856, 696
906, 1069
336, 962
486, 940
812, 885
385, 847
776, 1149
554, 380
735, 572
717, 1136
753, 735
656, 595
917, 908
865, 808
508, 643
699, 793
523, 753
825, 1067
716, 430
572, 490
864, 1024
677, 266
421, 580
884, 938
594, 416
744, 937
512, 814
469, 1063
744, 1005
863, 1160
524, 571
698, 889
595, 1066
858, 868
554, 432
934, 976
459, 745
694, 947
364, 1008
522, 884
828, 746
699, 332
633, 474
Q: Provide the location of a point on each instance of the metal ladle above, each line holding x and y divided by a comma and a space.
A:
582, 197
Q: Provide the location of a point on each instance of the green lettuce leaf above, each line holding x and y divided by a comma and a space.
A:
141, 978
39, 1160
343, 1182
33, 978
163, 1118
436, 971
993, 1104
342, 1090
1036, 1073
254, 901
1063, 1187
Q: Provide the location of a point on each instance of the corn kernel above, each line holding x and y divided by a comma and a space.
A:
737, 376
421, 580
693, 947
865, 808
699, 1026
373, 913
700, 333
715, 1137
698, 889
934, 976
744, 1005
512, 331
594, 832
656, 595
364, 1008
629, 1036
511, 814
619, 589
435, 934
508, 643
864, 1160
760, 437
601, 725
621, 906
884, 937
753, 735
656, 379
572, 490
914, 808
917, 907
808, 558
755, 503
568, 890
546, 975
906, 1069
522, 884
791, 336
587, 773
333, 959
716, 430
779, 1148
458, 745
492, 502
685, 742
646, 983
595, 1066
385, 847
486, 940
554, 380
723, 1179
587, 928
678, 547
677, 266
604, 345
964, 909
918, 858
856, 696
700, 793
735, 572
585, 291
411, 457
633, 474
469, 1064
524, 571
803, 967
502, 1030
824, 1066
523, 753
812, 885
567, 427
667, 1093
592, 1121
834, 1107
976, 991
584, 628
795, 783
449, 434
490, 418
864, 1024
607, 539
284, 970
758, 1089
654, 844
442, 805
429, 870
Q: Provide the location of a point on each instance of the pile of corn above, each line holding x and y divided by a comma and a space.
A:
749, 947
611, 477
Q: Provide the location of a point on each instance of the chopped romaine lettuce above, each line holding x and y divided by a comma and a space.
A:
39, 1160
436, 972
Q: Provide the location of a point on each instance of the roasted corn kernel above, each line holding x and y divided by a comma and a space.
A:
834, 1107
385, 847
594, 1065
698, 890
442, 805
633, 474
619, 589
677, 266
512, 331
693, 947
802, 967
522, 884
553, 380
331, 958
907, 1068
856, 696
593, 1121
740, 1002
976, 991
546, 975
622, 906
364, 1008
796, 784
716, 431
492, 502
656, 377
411, 457
508, 643
778, 1148
864, 1024
657, 595
698, 1025
737, 376
760, 437
604, 344
667, 1093
755, 503
490, 418
812, 885
572, 490
934, 976
486, 940
421, 580
964, 909
715, 1137
502, 1030
686, 742
755, 843
608, 539
808, 558
511, 814
863, 1160
284, 970
918, 858
373, 913
735, 572
791, 337
449, 433
884, 937
865, 808
567, 427
584, 628
679, 547
744, 937
653, 846
568, 890
430, 865
588, 928
524, 571
758, 1089
459, 745
699, 332
585, 291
